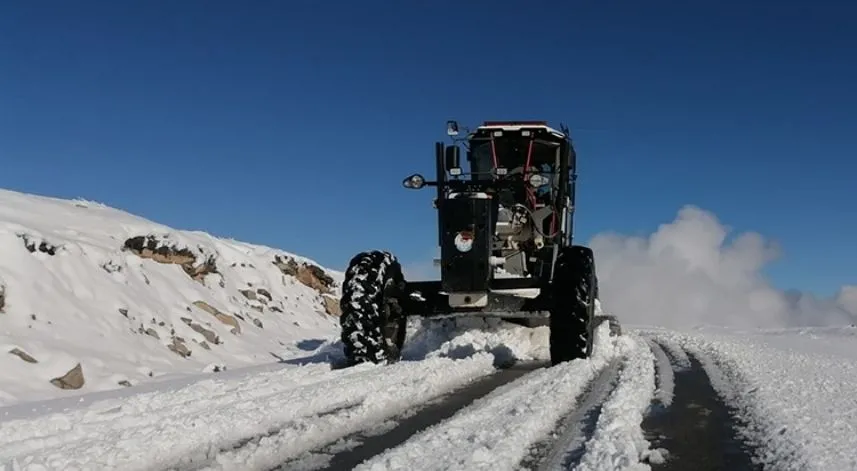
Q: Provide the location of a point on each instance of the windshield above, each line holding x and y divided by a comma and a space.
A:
511, 154
481, 160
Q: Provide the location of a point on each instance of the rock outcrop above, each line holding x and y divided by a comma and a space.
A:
23, 355
307, 273
161, 250
331, 305
219, 315
34, 244
71, 380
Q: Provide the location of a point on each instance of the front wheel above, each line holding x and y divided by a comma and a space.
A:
574, 289
373, 324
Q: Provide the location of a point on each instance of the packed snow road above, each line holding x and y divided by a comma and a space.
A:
647, 399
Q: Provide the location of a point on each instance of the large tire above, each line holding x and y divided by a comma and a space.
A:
372, 322
574, 290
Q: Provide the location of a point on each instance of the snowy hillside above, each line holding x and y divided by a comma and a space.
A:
93, 298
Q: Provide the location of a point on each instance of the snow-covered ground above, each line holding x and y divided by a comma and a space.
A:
81, 312
153, 315
795, 389
298, 405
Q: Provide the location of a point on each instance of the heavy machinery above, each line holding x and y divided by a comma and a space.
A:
505, 230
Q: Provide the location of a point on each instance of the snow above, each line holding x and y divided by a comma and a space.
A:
793, 389
618, 441
292, 408
462, 337
94, 304
664, 374
499, 428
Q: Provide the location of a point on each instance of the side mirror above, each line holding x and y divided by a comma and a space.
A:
453, 160
414, 182
452, 128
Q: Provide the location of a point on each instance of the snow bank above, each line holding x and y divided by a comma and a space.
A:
794, 390
618, 441
462, 337
93, 298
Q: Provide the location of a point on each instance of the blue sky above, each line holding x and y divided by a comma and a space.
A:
292, 123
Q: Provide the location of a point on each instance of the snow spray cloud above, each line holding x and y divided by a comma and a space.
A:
685, 275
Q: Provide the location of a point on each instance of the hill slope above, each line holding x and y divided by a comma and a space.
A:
94, 298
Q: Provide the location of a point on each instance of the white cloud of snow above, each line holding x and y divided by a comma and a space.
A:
687, 274
422, 268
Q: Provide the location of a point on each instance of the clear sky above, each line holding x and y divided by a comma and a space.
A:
292, 123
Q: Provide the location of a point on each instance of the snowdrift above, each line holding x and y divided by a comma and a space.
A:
94, 298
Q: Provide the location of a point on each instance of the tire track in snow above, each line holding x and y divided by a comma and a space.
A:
393, 390
617, 441
348, 452
565, 445
664, 375
697, 429
297, 407
497, 431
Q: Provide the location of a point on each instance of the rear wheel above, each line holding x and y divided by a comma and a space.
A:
372, 321
574, 289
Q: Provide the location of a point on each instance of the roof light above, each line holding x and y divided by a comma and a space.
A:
515, 123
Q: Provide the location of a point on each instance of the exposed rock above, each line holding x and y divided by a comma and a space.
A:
2, 296
222, 317
71, 380
150, 247
257, 307
111, 267
331, 306
23, 355
152, 333
248, 293
42, 245
179, 348
214, 368
125, 383
204, 345
123, 311
275, 309
308, 274
209, 335
258, 323
286, 265
158, 250
265, 293
199, 272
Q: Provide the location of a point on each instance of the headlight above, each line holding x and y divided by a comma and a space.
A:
537, 180
414, 182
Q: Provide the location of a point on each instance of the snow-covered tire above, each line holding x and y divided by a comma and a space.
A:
372, 322
574, 290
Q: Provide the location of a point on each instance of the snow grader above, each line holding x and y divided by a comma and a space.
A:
505, 231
